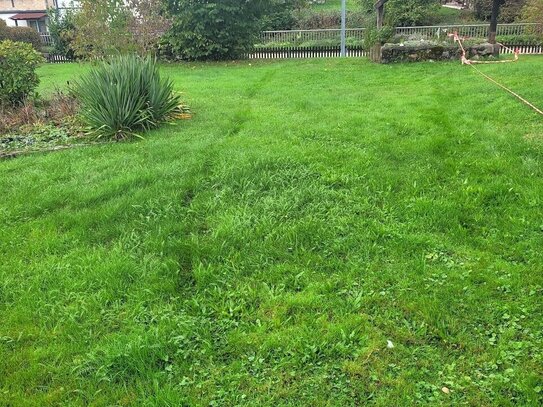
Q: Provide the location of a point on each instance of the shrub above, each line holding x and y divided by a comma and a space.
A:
101, 29
308, 19
214, 29
111, 27
280, 14
20, 34
124, 96
147, 24
18, 78
407, 13
375, 36
62, 31
3, 30
520, 39
533, 12
510, 10
26, 34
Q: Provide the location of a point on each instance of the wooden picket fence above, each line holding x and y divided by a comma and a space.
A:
305, 52
523, 49
322, 52
57, 59
356, 51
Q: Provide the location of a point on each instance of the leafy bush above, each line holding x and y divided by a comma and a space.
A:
533, 12
510, 10
101, 29
407, 13
3, 30
374, 36
308, 19
280, 14
124, 96
20, 34
326, 43
112, 27
18, 78
26, 34
520, 39
62, 31
214, 29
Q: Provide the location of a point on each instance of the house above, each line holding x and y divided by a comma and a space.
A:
30, 13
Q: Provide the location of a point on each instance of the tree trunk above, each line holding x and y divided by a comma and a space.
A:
375, 53
380, 16
494, 21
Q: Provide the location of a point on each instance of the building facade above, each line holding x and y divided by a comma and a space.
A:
30, 13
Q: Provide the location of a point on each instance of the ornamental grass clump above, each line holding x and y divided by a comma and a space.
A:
124, 96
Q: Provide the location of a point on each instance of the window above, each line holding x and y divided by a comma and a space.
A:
33, 24
42, 27
38, 25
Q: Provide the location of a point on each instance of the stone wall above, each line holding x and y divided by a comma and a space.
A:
430, 51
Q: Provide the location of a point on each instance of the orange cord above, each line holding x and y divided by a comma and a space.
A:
509, 90
471, 63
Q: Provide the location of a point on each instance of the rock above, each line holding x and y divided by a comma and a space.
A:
419, 51
483, 50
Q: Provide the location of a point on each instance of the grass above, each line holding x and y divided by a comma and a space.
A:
445, 15
336, 5
442, 15
264, 252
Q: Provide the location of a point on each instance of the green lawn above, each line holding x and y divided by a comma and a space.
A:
264, 252
336, 5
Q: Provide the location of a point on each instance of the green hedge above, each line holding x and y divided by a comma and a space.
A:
351, 42
307, 19
20, 34
520, 39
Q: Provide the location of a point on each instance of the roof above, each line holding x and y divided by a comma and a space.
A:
29, 16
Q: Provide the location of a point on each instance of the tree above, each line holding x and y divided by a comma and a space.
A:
281, 14
532, 12
510, 10
102, 29
410, 12
62, 30
107, 27
147, 23
213, 29
405, 12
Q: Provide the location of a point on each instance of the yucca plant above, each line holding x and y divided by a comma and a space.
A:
125, 95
